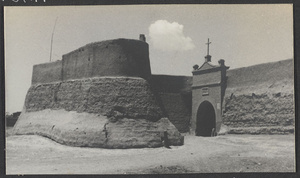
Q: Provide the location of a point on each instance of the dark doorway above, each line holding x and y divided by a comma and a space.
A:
206, 119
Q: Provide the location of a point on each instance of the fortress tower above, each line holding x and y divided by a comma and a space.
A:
98, 96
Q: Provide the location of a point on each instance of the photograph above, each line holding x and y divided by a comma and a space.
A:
149, 89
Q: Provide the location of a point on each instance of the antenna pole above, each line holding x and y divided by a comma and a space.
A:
52, 38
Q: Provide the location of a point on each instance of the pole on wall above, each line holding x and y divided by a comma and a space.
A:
52, 39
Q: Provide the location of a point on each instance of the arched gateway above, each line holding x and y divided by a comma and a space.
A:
206, 119
208, 89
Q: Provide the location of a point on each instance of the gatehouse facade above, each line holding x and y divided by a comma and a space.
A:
208, 90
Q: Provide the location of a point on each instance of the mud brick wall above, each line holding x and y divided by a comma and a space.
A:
112, 97
171, 83
178, 111
260, 96
176, 98
120, 57
259, 110
48, 72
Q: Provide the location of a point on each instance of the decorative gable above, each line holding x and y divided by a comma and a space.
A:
207, 65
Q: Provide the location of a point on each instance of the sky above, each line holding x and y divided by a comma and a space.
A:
242, 35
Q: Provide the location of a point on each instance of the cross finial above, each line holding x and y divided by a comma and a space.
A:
208, 46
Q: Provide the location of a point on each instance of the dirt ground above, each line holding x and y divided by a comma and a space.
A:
31, 154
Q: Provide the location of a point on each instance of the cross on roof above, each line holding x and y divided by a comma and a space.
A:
208, 46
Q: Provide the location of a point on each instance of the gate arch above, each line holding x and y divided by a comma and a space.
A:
206, 119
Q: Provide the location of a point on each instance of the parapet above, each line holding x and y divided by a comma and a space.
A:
47, 72
118, 57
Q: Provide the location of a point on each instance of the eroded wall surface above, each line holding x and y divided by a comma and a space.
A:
107, 112
271, 111
260, 99
127, 97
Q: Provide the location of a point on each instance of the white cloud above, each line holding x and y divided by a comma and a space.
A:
168, 36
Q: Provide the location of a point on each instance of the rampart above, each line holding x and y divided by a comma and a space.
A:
260, 99
98, 96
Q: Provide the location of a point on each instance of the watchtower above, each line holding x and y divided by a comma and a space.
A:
208, 89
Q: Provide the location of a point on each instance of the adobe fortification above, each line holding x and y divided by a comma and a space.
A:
98, 96
104, 95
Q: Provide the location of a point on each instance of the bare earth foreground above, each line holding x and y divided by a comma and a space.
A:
31, 154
